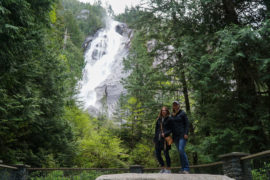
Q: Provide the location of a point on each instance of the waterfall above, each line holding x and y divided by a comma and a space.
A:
103, 67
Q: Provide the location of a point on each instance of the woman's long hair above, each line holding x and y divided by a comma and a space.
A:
160, 113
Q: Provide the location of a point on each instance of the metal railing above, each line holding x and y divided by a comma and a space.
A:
259, 165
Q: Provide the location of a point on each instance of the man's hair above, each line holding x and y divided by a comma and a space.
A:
176, 102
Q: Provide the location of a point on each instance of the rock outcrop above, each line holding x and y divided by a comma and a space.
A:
84, 13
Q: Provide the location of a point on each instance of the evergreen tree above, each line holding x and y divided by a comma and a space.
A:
219, 65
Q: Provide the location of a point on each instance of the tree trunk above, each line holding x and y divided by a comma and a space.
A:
185, 88
267, 4
185, 91
184, 82
245, 82
65, 39
230, 13
246, 89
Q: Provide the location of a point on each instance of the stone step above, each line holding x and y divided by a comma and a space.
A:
156, 176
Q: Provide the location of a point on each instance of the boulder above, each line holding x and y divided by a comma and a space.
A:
131, 176
84, 13
92, 110
123, 30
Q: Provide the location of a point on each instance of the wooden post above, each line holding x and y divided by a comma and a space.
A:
246, 165
233, 167
136, 169
21, 173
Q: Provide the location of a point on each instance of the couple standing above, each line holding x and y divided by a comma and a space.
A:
177, 124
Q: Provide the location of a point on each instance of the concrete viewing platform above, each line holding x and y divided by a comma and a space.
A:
158, 176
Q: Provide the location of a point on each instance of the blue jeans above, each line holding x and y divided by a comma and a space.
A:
180, 145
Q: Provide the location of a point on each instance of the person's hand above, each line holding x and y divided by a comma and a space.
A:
162, 135
185, 136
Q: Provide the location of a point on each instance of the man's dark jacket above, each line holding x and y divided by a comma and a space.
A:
167, 129
180, 125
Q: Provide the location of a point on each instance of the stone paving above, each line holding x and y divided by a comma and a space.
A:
132, 176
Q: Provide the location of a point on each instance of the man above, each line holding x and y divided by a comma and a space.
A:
180, 134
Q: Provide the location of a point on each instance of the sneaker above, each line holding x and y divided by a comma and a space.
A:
185, 172
162, 170
167, 171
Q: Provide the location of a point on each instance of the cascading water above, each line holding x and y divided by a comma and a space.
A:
103, 67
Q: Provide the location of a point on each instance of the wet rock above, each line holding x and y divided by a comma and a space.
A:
84, 13
92, 110
123, 30
119, 29
111, 89
95, 54
88, 40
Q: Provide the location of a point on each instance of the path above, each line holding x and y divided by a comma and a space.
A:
156, 176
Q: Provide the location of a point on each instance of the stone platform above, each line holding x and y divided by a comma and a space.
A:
132, 176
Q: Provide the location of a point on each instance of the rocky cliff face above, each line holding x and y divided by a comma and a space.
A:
104, 53
165, 56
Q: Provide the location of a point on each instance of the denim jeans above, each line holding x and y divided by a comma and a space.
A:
180, 145
159, 158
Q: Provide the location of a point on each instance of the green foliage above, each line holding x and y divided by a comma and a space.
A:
41, 63
97, 147
213, 58
261, 173
61, 175
31, 82
218, 67
93, 21
134, 17
102, 149
38, 80
143, 153
72, 28
138, 109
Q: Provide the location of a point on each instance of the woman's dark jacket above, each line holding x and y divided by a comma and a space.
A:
167, 129
180, 125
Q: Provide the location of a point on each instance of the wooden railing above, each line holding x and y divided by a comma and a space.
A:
236, 165
257, 155
8, 167
8, 172
78, 169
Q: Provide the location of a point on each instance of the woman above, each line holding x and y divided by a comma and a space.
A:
162, 130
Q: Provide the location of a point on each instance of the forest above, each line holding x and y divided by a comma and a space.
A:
212, 56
